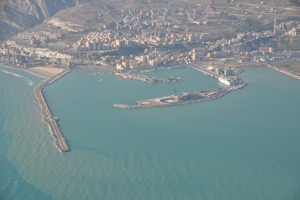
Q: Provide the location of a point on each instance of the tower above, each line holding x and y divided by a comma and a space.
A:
8, 55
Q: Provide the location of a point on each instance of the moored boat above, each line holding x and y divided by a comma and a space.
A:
225, 80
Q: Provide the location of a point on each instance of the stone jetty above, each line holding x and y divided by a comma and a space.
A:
47, 115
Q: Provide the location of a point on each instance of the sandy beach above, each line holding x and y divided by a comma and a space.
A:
46, 71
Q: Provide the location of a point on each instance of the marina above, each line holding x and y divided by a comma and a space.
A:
189, 97
151, 140
48, 117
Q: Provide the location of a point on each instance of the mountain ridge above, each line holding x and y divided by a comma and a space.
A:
18, 15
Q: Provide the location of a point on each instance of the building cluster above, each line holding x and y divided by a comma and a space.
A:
156, 27
290, 28
52, 33
162, 16
156, 59
144, 28
162, 33
13, 53
100, 41
108, 40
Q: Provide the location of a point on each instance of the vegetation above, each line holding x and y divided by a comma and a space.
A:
289, 43
224, 15
249, 24
294, 2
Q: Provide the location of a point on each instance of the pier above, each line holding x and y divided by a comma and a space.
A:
207, 72
47, 115
182, 98
147, 79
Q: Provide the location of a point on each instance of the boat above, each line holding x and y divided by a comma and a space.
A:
224, 80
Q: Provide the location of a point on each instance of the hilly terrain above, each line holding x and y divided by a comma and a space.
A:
16, 15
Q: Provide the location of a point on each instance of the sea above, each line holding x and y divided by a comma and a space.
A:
243, 146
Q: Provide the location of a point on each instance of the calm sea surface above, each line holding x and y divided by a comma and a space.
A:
244, 146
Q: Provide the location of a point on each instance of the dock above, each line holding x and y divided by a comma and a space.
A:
147, 79
182, 98
48, 117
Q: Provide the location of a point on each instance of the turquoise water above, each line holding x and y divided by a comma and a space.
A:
242, 146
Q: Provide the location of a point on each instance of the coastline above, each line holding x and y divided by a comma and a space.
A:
46, 71
50, 75
278, 69
55, 73
40, 70
284, 71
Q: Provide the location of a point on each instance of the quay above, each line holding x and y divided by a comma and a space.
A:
207, 72
147, 79
47, 115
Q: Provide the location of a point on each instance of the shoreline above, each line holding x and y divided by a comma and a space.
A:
290, 73
284, 71
50, 75
40, 69
45, 71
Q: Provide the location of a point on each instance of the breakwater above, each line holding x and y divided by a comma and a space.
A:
60, 141
147, 79
182, 98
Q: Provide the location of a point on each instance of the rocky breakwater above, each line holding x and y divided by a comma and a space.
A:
47, 115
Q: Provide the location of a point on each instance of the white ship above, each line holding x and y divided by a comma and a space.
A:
224, 80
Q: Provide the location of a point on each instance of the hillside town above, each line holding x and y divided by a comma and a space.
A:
161, 37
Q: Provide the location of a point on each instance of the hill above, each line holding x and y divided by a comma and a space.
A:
16, 15
19, 15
